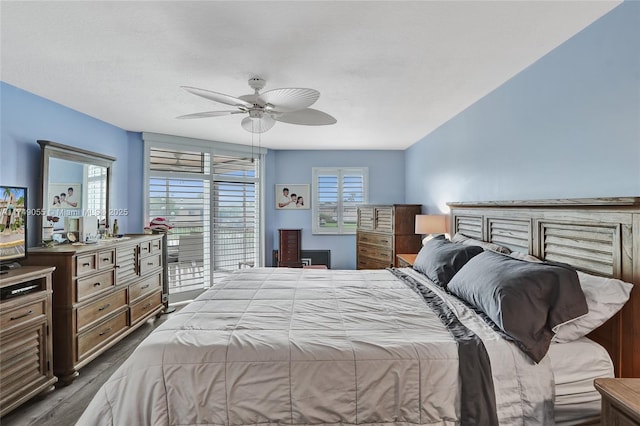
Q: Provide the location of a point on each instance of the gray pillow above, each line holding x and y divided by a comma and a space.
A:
525, 299
440, 259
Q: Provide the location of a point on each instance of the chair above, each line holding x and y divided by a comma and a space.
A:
189, 264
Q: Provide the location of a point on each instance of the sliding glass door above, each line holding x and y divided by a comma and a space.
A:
211, 199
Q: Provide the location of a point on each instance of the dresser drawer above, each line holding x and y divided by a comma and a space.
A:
22, 314
93, 312
87, 287
106, 259
371, 263
150, 263
380, 240
144, 248
147, 285
380, 253
377, 253
86, 264
146, 305
91, 340
155, 246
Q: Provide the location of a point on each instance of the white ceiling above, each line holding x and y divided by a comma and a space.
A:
390, 72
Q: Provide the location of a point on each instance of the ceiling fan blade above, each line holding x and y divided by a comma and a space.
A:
307, 117
258, 125
209, 114
218, 97
289, 99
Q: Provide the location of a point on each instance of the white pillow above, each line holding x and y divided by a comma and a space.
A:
524, 256
461, 238
605, 297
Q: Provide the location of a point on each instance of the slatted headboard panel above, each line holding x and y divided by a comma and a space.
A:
590, 248
600, 236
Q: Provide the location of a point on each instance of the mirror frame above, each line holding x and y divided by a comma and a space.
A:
50, 150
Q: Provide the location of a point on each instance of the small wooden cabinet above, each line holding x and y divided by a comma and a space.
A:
26, 367
383, 231
405, 260
620, 401
289, 253
101, 293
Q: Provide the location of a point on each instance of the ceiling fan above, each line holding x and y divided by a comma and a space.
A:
288, 105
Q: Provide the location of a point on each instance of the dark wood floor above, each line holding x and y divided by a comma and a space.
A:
65, 405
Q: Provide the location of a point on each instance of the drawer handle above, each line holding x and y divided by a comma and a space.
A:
86, 264
144, 286
116, 266
104, 307
149, 263
105, 331
148, 305
22, 316
106, 259
98, 284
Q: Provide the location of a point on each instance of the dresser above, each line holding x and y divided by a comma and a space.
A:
384, 231
26, 366
620, 401
101, 293
290, 248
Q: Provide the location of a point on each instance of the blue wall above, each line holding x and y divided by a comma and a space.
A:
566, 127
386, 186
26, 118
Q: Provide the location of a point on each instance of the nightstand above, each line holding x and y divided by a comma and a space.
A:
405, 260
620, 401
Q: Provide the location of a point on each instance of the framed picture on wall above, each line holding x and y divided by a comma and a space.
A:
292, 196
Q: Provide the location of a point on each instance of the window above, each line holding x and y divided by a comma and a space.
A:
336, 194
96, 178
211, 194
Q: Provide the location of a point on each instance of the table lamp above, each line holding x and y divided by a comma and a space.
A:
431, 224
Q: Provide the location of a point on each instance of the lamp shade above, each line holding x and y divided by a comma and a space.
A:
431, 224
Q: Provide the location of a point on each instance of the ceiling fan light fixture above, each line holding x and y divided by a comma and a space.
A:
289, 105
258, 125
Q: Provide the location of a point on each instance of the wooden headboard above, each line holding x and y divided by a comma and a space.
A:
597, 235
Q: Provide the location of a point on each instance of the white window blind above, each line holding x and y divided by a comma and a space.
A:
336, 194
184, 202
212, 200
177, 161
236, 212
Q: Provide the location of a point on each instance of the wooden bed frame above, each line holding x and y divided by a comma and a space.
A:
597, 235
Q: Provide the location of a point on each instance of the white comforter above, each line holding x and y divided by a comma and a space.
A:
307, 346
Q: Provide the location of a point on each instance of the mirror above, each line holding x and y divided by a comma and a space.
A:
75, 191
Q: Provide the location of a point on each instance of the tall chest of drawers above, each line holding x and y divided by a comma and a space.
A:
101, 293
289, 253
384, 231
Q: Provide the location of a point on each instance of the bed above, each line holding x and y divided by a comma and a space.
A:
303, 346
575, 366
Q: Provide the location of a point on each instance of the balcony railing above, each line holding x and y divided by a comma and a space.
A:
189, 262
